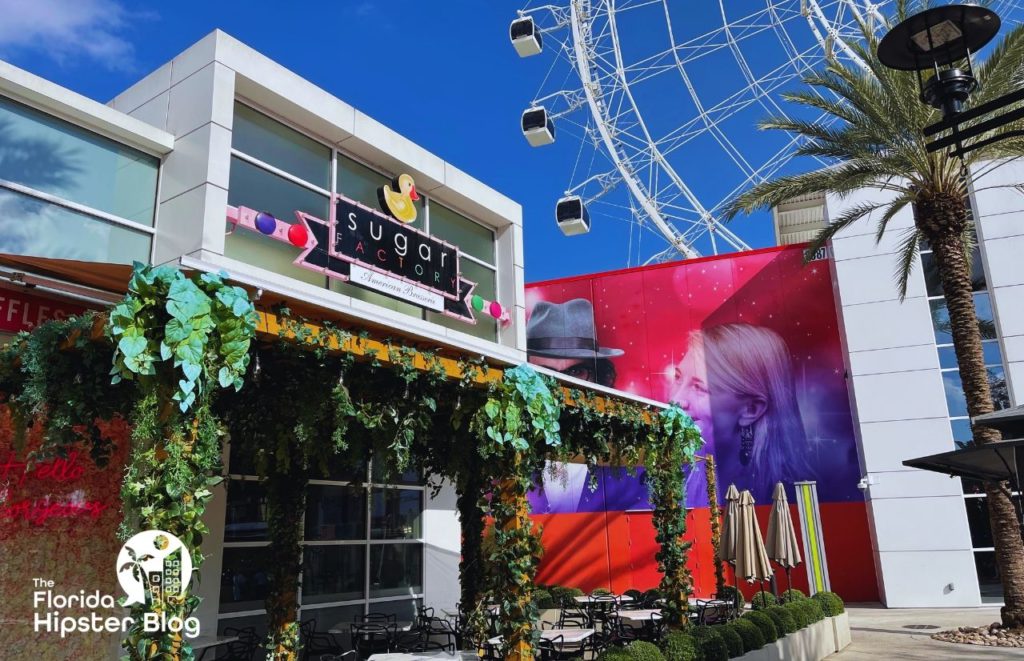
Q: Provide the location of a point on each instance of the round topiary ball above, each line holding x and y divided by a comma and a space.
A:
765, 624
792, 594
749, 633
679, 646
614, 654
814, 611
732, 640
830, 603
796, 609
763, 600
641, 650
783, 619
712, 647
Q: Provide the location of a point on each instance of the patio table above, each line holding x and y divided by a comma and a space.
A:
590, 599
640, 615
568, 635
418, 656
345, 627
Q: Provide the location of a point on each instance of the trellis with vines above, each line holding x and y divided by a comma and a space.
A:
184, 373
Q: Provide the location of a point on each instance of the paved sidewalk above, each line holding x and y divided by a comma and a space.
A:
881, 633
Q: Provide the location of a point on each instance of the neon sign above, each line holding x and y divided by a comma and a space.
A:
39, 510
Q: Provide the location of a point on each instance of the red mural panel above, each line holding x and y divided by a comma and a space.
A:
748, 344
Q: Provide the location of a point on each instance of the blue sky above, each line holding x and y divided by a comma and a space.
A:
441, 73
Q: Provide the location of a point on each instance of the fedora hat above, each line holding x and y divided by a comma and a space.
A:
565, 330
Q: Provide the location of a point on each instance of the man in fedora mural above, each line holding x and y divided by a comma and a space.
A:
562, 337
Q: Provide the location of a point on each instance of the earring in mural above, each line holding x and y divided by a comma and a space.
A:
746, 444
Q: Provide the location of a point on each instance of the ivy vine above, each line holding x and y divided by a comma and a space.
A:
673, 441
517, 425
179, 338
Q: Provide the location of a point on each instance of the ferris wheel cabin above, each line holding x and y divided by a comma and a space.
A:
525, 36
572, 215
538, 127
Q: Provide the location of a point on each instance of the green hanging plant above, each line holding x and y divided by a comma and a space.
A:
672, 442
179, 338
517, 426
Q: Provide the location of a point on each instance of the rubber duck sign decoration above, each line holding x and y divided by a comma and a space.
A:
379, 250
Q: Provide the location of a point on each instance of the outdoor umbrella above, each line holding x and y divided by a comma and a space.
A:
781, 543
730, 523
752, 562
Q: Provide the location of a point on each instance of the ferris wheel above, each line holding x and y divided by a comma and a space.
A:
659, 100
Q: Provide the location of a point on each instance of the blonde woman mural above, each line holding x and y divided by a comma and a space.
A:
736, 381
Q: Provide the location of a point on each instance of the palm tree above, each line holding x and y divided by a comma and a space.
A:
871, 134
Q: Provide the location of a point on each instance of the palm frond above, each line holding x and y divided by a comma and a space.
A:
841, 222
907, 258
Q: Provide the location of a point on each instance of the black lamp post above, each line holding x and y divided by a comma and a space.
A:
943, 40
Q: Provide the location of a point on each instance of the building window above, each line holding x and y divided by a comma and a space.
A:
974, 498
362, 547
69, 193
277, 169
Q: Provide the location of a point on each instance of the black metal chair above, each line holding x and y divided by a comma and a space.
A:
651, 598
436, 627
635, 603
376, 618
713, 612
733, 597
417, 640
344, 656
371, 638
317, 642
574, 617
243, 649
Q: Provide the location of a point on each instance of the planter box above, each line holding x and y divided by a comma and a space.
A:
811, 643
840, 630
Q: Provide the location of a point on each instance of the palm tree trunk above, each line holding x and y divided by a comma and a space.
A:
942, 219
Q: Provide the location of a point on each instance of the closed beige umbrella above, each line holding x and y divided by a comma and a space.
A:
781, 544
752, 562
730, 523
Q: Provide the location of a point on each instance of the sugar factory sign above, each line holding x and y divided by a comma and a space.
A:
379, 250
367, 238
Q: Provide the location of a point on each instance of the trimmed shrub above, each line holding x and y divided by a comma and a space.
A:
679, 646
614, 654
749, 633
732, 640
763, 600
543, 599
601, 591
641, 650
830, 603
796, 609
765, 624
729, 593
783, 619
792, 595
712, 647
813, 610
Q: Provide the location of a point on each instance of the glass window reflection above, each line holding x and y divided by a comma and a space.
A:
246, 518
396, 514
245, 579
335, 512
396, 569
29, 226
272, 142
52, 156
333, 573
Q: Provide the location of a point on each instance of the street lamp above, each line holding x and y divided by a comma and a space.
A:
942, 40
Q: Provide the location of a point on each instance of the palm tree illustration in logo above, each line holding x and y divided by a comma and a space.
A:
135, 565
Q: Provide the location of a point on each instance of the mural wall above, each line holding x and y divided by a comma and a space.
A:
748, 344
